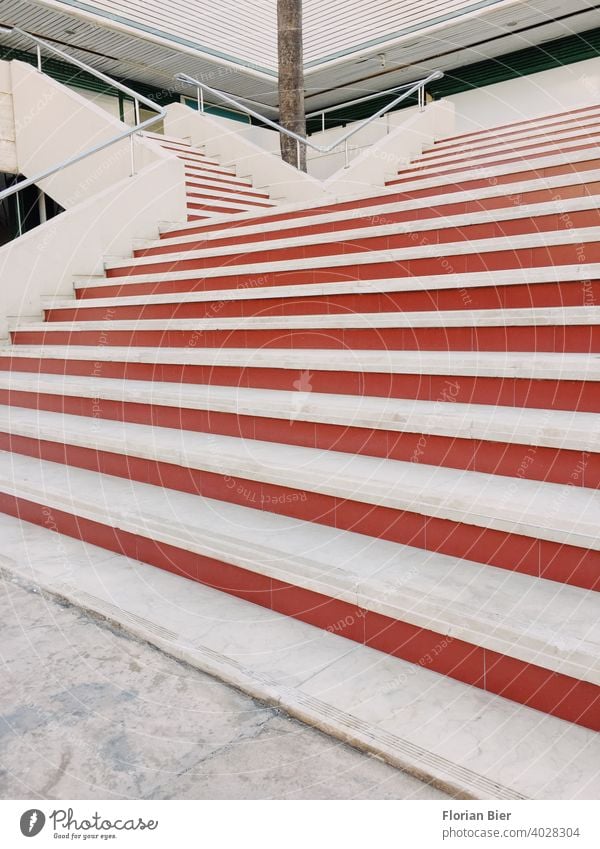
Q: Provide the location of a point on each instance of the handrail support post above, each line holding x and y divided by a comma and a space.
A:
19, 220
42, 206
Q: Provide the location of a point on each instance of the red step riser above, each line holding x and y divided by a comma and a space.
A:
541, 134
192, 162
183, 149
584, 141
195, 163
199, 159
576, 468
554, 255
514, 552
209, 165
201, 164
194, 202
538, 688
421, 172
584, 339
572, 115
198, 190
211, 208
573, 169
425, 213
563, 294
197, 174
213, 168
580, 395
443, 235
220, 180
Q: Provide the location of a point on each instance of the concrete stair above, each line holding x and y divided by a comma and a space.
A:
381, 411
211, 188
490, 748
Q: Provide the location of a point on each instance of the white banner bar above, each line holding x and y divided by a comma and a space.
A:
301, 824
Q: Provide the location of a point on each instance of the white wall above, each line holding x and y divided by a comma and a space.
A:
260, 136
323, 165
106, 208
44, 261
54, 122
267, 139
414, 132
8, 149
555, 90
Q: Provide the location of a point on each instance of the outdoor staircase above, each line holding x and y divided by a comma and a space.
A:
377, 416
212, 188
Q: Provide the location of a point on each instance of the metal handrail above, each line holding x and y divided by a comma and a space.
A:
375, 96
202, 87
130, 132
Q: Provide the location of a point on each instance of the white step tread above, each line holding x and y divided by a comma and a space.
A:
468, 741
537, 621
512, 213
520, 317
550, 428
549, 511
574, 237
371, 212
467, 280
530, 365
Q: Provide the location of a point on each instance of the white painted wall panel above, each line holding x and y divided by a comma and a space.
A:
552, 91
8, 148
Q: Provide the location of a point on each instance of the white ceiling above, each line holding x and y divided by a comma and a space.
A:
352, 47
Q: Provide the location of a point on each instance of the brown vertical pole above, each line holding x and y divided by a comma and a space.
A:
291, 79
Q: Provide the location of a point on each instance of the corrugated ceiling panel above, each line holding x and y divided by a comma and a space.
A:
123, 55
245, 30
338, 26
